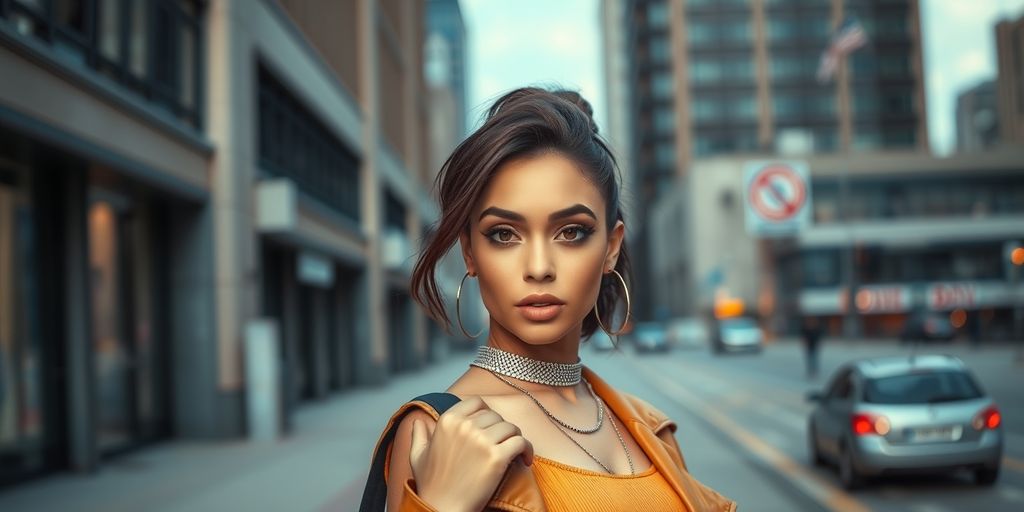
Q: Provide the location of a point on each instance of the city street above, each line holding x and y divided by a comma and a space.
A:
741, 427
757, 403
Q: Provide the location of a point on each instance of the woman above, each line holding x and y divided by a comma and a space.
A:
533, 200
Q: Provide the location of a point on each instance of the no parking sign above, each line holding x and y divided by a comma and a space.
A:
777, 195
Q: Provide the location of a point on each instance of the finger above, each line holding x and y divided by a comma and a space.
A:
516, 445
420, 441
485, 418
500, 432
466, 407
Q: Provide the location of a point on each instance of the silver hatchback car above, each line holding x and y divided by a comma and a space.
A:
914, 414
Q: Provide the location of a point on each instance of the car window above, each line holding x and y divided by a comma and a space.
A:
838, 384
739, 323
921, 388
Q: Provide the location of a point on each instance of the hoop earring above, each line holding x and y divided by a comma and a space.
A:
628, 309
458, 312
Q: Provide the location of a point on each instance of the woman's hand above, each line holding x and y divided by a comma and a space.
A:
460, 464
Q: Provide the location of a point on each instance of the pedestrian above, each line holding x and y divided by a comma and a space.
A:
533, 200
811, 335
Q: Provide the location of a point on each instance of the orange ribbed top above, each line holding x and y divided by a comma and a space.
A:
567, 488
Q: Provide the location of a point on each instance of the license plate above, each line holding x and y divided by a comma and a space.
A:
934, 434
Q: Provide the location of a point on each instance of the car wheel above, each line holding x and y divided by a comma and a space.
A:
848, 475
986, 476
812, 447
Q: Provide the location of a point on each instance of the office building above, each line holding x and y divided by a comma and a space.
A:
722, 77
977, 117
172, 171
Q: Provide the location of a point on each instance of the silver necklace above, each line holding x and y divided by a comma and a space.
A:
527, 369
591, 430
559, 423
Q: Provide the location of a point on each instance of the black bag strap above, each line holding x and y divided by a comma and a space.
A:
375, 494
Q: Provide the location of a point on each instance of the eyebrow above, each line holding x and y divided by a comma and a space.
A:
560, 214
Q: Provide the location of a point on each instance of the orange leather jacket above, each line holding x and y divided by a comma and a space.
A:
652, 430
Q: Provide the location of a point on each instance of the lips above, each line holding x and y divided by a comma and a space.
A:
540, 307
540, 299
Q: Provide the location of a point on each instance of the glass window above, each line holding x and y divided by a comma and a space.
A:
660, 51
665, 155
661, 84
786, 67
899, 137
737, 69
894, 65
736, 31
865, 103
891, 25
22, 408
705, 109
921, 387
825, 139
898, 103
743, 109
295, 144
866, 140
699, 32
786, 106
657, 14
70, 15
151, 46
822, 105
820, 267
704, 71
664, 121
109, 30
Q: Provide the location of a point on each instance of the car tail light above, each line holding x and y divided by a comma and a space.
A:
867, 424
988, 418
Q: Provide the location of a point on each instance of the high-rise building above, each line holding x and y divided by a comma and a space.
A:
1010, 82
977, 117
725, 77
445, 24
172, 171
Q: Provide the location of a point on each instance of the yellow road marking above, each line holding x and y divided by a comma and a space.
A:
822, 491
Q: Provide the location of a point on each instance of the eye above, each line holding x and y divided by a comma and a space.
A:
576, 233
501, 235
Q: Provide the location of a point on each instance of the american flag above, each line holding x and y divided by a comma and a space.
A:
848, 38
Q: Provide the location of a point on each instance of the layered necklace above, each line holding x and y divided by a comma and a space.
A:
500, 362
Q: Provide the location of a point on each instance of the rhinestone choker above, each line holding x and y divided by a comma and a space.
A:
526, 369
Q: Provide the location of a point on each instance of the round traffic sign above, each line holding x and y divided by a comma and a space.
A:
777, 193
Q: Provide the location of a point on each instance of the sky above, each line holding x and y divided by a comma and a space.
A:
531, 42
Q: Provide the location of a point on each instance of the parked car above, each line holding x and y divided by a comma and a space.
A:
601, 341
916, 414
738, 334
649, 337
688, 332
927, 327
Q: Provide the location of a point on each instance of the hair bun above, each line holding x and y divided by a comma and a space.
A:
576, 99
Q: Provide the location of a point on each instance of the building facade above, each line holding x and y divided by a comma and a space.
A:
977, 117
721, 77
892, 234
1009, 36
172, 171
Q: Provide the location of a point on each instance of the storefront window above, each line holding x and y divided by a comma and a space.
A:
21, 396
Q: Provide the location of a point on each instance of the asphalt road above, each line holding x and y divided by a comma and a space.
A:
754, 404
741, 420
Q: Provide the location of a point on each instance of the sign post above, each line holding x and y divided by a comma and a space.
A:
777, 195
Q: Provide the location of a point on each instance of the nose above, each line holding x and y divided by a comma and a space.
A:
540, 264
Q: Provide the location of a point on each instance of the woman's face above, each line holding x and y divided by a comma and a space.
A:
538, 244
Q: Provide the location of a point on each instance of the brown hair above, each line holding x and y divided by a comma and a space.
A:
524, 122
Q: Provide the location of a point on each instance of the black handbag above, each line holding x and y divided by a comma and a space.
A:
375, 494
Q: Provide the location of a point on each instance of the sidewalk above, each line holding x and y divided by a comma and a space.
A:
321, 465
